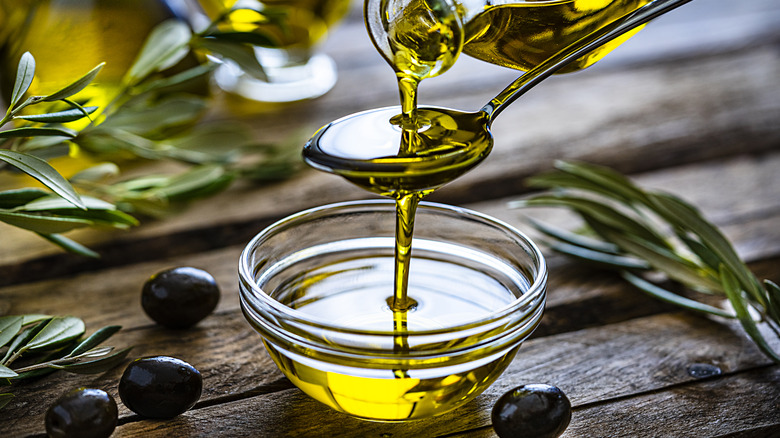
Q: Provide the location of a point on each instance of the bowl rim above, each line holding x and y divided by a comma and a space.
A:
536, 291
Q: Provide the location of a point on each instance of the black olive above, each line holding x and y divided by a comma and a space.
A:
180, 297
531, 411
160, 386
83, 412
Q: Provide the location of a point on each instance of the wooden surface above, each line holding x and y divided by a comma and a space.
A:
691, 105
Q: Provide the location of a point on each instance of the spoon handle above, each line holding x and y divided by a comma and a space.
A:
576, 50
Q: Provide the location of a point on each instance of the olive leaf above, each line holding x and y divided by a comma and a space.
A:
96, 366
734, 293
28, 131
7, 373
160, 84
242, 55
59, 117
94, 340
95, 173
24, 77
76, 86
70, 245
151, 121
165, 46
41, 223
16, 197
664, 234
43, 172
59, 330
9, 327
53, 344
20, 340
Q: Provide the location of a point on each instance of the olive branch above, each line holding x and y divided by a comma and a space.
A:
639, 232
50, 343
150, 119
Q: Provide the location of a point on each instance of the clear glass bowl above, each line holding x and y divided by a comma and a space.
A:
315, 287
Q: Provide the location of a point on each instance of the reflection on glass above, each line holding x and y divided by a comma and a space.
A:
294, 68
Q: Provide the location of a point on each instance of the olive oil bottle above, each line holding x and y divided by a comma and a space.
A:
522, 34
301, 25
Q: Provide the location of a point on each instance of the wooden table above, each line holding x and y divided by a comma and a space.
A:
691, 105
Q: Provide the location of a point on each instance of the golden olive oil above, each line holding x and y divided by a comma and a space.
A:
522, 34
407, 156
349, 291
70, 37
303, 23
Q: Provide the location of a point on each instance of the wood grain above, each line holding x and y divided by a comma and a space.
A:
689, 106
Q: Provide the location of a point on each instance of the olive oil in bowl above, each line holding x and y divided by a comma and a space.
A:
317, 285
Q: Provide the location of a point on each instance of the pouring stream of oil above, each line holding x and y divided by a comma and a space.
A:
423, 148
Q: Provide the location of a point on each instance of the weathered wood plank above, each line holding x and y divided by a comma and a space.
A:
701, 409
603, 363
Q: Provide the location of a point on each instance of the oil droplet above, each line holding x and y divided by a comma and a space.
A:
703, 370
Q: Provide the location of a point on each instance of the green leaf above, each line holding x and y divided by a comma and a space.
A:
6, 372
96, 173
59, 116
154, 120
24, 77
59, 330
23, 338
707, 257
43, 224
98, 365
9, 327
242, 55
43, 172
686, 217
773, 296
592, 256
733, 291
76, 86
164, 47
612, 184
27, 131
573, 238
667, 261
195, 183
598, 212
5, 398
673, 298
94, 340
56, 203
35, 317
70, 245
51, 146
175, 80
14, 198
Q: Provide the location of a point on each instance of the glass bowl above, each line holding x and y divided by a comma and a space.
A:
316, 286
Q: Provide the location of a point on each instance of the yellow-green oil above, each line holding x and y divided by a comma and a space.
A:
290, 24
68, 38
406, 156
522, 34
351, 292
